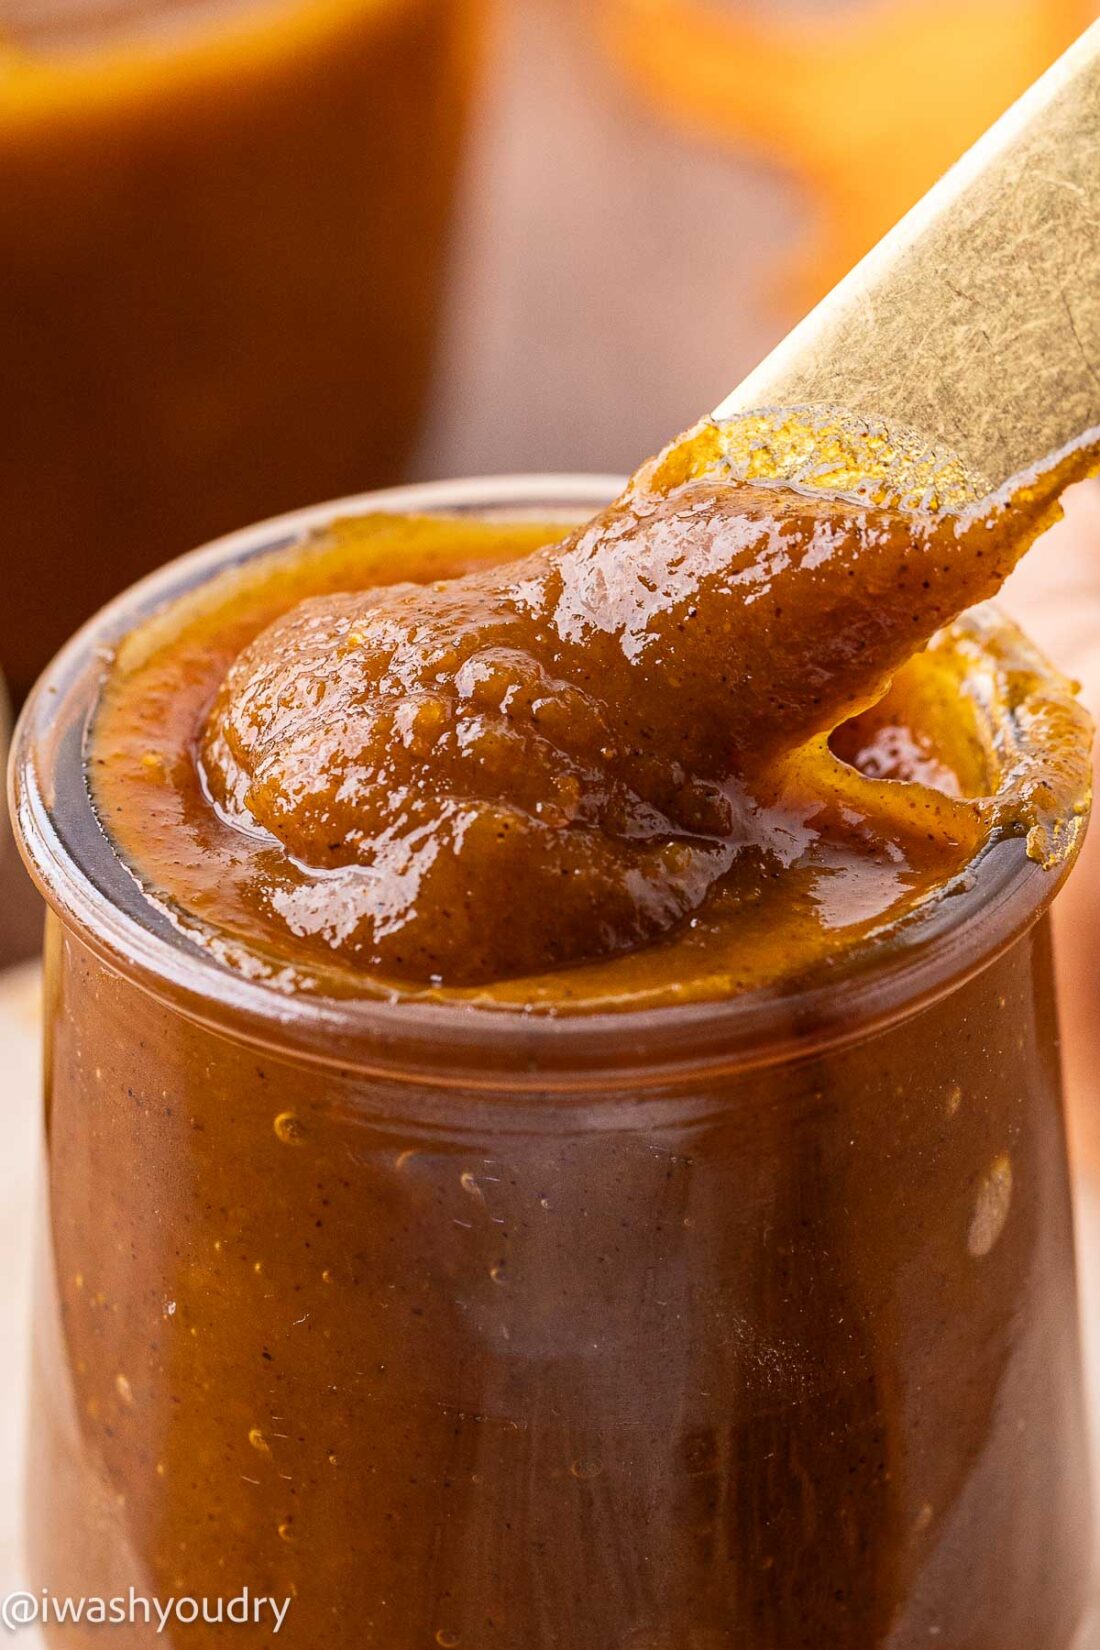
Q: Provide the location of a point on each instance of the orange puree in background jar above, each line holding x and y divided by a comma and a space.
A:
866, 101
222, 228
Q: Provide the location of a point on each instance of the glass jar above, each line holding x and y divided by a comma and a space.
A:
746, 1322
222, 235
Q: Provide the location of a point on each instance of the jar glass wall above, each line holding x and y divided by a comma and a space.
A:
749, 1322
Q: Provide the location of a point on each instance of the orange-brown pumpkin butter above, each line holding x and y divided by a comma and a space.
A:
693, 746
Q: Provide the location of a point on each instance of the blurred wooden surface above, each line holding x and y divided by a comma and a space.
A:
1054, 595
20, 1112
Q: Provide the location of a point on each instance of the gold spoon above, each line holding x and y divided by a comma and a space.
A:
976, 320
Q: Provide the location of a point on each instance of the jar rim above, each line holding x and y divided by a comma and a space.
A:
467, 1045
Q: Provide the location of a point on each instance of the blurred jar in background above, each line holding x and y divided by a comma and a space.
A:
867, 101
222, 226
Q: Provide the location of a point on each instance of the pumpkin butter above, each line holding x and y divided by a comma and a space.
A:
696, 745
554, 1128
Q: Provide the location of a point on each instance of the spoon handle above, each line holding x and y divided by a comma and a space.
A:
976, 320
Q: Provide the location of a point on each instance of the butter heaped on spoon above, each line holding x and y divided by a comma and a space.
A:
562, 758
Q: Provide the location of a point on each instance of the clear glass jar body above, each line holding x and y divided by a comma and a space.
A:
750, 1325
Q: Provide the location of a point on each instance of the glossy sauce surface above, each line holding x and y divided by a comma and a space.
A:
691, 749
